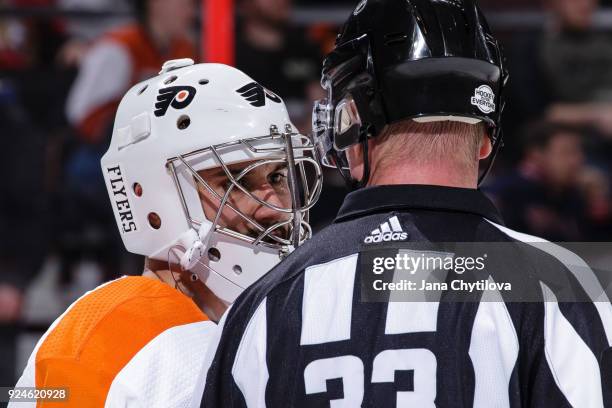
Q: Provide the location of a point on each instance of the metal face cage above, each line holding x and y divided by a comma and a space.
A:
304, 187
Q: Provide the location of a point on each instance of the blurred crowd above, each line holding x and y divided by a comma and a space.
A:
61, 80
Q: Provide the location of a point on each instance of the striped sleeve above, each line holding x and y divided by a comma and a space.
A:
577, 336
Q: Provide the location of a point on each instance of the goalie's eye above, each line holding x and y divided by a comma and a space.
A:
278, 177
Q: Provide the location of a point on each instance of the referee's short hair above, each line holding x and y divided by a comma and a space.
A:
433, 141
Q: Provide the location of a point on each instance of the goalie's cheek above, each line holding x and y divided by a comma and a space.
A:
274, 197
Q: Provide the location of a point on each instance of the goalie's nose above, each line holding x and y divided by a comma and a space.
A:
265, 215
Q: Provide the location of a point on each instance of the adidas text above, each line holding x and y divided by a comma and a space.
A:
386, 237
389, 231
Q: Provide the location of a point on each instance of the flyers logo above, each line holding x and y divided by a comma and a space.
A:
256, 94
179, 97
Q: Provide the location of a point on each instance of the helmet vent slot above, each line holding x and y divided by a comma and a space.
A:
170, 80
183, 122
203, 81
144, 88
137, 189
154, 220
237, 269
214, 255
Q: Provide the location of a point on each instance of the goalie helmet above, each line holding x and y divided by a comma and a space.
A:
192, 118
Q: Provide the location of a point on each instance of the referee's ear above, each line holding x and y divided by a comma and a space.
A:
354, 155
486, 147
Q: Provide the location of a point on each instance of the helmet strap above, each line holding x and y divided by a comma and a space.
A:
365, 178
196, 249
350, 182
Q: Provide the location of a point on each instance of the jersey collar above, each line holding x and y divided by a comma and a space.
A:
411, 197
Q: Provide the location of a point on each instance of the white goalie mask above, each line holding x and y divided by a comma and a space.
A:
178, 132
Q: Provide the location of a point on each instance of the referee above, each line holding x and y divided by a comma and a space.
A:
414, 104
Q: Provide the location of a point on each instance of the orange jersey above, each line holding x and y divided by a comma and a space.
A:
129, 341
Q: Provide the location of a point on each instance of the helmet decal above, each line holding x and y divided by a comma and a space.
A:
256, 94
179, 97
484, 99
119, 197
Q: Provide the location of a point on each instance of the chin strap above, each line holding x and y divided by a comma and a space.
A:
350, 182
196, 249
366, 165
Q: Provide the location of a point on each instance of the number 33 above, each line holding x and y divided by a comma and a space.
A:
350, 369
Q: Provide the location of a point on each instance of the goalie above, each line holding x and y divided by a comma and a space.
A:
207, 178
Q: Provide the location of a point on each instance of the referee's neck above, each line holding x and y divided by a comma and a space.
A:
434, 174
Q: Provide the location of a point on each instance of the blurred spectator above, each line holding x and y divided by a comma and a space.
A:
576, 62
28, 42
118, 60
22, 218
13, 42
595, 186
552, 193
577, 59
80, 36
96, 27
280, 56
561, 71
126, 56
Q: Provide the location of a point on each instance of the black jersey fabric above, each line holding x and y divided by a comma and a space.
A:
290, 341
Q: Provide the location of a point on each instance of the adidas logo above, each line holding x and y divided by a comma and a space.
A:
387, 232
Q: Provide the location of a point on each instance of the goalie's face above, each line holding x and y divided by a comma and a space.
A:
266, 182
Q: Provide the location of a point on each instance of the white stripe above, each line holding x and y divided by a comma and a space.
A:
211, 350
411, 317
164, 373
578, 267
385, 227
327, 304
395, 224
494, 348
250, 370
573, 365
96, 86
375, 232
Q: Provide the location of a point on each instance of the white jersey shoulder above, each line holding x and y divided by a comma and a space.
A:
165, 372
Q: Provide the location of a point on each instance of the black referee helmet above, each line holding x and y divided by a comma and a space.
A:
401, 59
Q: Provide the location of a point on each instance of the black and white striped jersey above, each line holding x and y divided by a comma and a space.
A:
302, 336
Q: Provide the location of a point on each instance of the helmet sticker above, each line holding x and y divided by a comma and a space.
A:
360, 7
484, 99
256, 94
120, 199
179, 97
